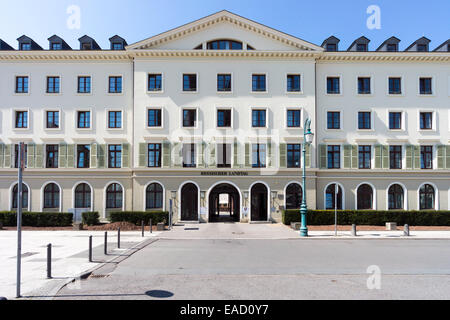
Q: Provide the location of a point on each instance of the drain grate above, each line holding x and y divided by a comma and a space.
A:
99, 276
190, 229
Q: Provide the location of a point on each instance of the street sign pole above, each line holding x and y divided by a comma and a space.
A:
336, 192
170, 214
21, 165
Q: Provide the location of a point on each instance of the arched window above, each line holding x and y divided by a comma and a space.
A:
154, 196
51, 196
224, 44
293, 196
427, 198
330, 198
365, 197
83, 196
114, 195
24, 196
395, 197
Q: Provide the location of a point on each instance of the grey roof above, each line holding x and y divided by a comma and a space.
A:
26, 39
442, 45
117, 38
391, 40
360, 40
87, 39
331, 39
422, 40
5, 46
55, 38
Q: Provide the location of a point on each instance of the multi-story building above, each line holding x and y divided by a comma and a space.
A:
210, 115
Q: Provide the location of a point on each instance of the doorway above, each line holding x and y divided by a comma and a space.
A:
224, 204
259, 196
189, 202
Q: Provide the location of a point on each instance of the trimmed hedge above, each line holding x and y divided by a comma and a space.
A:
375, 218
37, 219
91, 218
136, 217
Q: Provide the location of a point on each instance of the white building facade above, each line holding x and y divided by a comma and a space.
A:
215, 110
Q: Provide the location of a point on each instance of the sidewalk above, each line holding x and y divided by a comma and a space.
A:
69, 258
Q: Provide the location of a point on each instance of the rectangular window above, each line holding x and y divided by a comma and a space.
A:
224, 118
154, 117
332, 47
392, 47
115, 84
426, 157
364, 157
84, 84
53, 85
258, 118
426, 120
395, 120
117, 46
189, 155
293, 155
16, 155
114, 119
333, 85
83, 156
189, 117
52, 119
56, 46
364, 121
84, 119
25, 46
155, 82
190, 82
334, 157
333, 120
293, 118
395, 157
293, 83
21, 119
364, 85
395, 85
425, 85
258, 155
224, 82
154, 155
422, 48
114, 156
361, 47
258, 82
224, 155
51, 159
21, 84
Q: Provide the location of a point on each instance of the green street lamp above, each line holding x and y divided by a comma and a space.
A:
308, 137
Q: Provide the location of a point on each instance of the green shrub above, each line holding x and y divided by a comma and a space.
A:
136, 217
375, 218
37, 219
91, 218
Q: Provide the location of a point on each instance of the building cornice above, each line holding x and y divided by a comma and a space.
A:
384, 57
64, 55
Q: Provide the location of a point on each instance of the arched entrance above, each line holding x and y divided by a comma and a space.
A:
189, 202
224, 204
259, 196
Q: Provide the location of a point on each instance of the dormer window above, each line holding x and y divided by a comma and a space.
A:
332, 47
25, 46
392, 47
86, 46
422, 48
117, 46
362, 47
56, 46
224, 45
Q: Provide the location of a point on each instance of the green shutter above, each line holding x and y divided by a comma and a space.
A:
166, 154
93, 163
409, 157
416, 157
101, 155
248, 163
308, 156
201, 146
212, 154
125, 155
283, 155
440, 150
236, 163
323, 156
378, 157
270, 162
177, 153
71, 156
385, 153
355, 157
347, 156
2, 152
143, 154
30, 155
447, 153
39, 157
62, 155
8, 150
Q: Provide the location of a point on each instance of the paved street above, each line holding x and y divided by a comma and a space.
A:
190, 268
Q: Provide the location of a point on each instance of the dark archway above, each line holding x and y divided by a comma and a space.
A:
259, 196
293, 196
189, 202
224, 211
365, 197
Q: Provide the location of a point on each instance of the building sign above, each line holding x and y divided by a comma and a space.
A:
224, 173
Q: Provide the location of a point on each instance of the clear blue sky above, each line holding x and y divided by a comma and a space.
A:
311, 20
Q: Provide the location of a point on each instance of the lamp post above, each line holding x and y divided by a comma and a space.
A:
308, 137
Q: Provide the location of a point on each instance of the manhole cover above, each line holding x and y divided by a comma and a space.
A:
159, 294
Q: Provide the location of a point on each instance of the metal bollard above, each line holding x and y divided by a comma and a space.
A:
118, 238
90, 248
142, 227
151, 226
354, 230
106, 243
49, 261
406, 230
